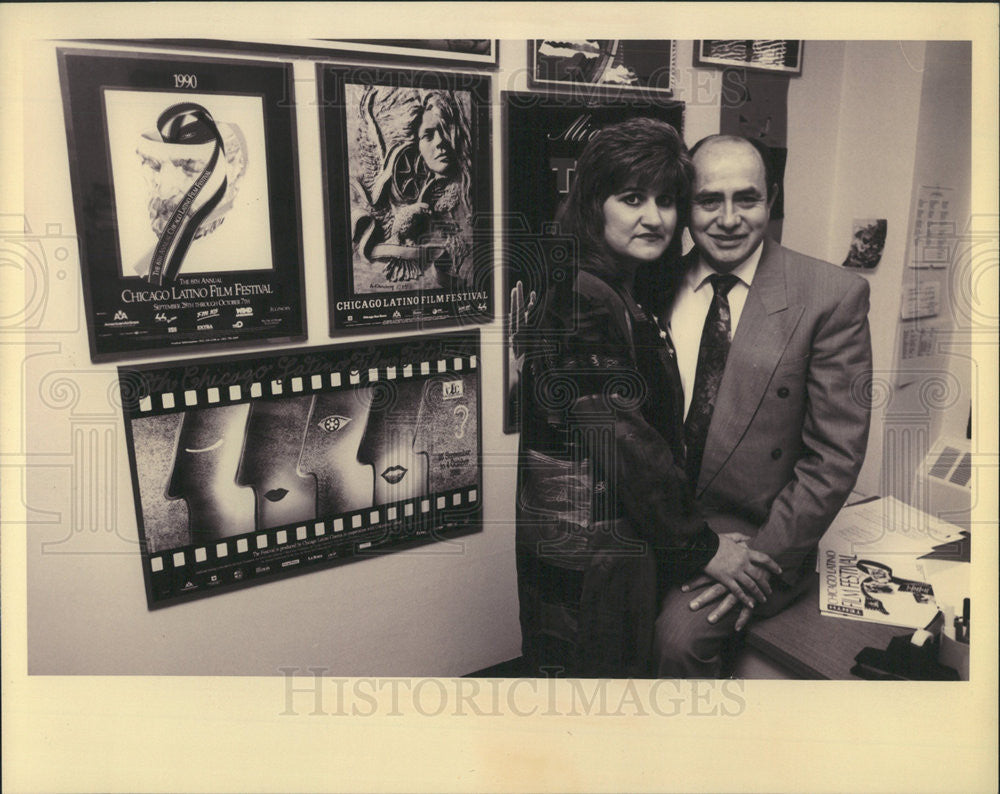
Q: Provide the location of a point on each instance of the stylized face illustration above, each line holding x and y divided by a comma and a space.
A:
333, 431
387, 446
270, 459
204, 475
877, 572
170, 169
434, 141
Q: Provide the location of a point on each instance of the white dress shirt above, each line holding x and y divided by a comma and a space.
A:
691, 305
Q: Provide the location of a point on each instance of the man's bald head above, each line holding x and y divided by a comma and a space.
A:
767, 161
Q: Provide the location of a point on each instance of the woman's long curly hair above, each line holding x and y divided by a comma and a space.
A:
457, 131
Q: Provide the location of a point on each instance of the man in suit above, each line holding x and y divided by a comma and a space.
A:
774, 353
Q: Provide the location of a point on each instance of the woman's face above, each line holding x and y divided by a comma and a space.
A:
433, 143
639, 223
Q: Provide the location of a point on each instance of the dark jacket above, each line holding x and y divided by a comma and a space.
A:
602, 496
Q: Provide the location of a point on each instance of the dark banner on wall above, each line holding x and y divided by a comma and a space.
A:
406, 157
543, 136
755, 105
186, 193
251, 468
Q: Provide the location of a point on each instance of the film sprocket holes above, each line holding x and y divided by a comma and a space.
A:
185, 187
251, 468
407, 163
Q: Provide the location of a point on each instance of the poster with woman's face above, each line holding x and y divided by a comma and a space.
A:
248, 468
407, 163
410, 166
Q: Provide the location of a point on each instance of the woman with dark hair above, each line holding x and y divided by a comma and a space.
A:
603, 506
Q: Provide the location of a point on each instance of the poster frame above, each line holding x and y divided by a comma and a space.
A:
181, 571
702, 58
398, 51
113, 296
427, 307
536, 78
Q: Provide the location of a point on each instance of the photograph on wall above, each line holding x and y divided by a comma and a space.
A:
464, 52
185, 189
768, 55
542, 140
867, 243
409, 197
626, 64
251, 468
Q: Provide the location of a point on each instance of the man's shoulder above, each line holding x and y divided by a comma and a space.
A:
809, 274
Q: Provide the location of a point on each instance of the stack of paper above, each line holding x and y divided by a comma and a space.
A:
871, 567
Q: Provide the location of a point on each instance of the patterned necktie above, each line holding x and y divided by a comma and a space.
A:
715, 339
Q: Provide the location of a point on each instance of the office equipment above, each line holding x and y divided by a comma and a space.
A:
942, 485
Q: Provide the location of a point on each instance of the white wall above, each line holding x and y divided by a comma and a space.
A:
866, 173
931, 396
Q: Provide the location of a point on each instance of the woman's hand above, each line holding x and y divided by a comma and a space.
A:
743, 571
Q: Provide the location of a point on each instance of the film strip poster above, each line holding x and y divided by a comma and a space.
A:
406, 157
185, 187
543, 136
252, 468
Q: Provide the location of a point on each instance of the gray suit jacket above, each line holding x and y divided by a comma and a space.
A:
790, 425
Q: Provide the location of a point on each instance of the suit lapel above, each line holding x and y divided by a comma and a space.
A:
766, 325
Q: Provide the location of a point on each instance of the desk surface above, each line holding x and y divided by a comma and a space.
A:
812, 645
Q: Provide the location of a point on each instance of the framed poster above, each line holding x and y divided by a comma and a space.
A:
628, 65
766, 55
543, 136
251, 468
185, 186
462, 52
406, 155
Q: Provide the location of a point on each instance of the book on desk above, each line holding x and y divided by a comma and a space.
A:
883, 561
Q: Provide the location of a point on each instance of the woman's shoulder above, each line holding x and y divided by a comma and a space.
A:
594, 289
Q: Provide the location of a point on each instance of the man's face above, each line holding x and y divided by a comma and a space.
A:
730, 209
207, 458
